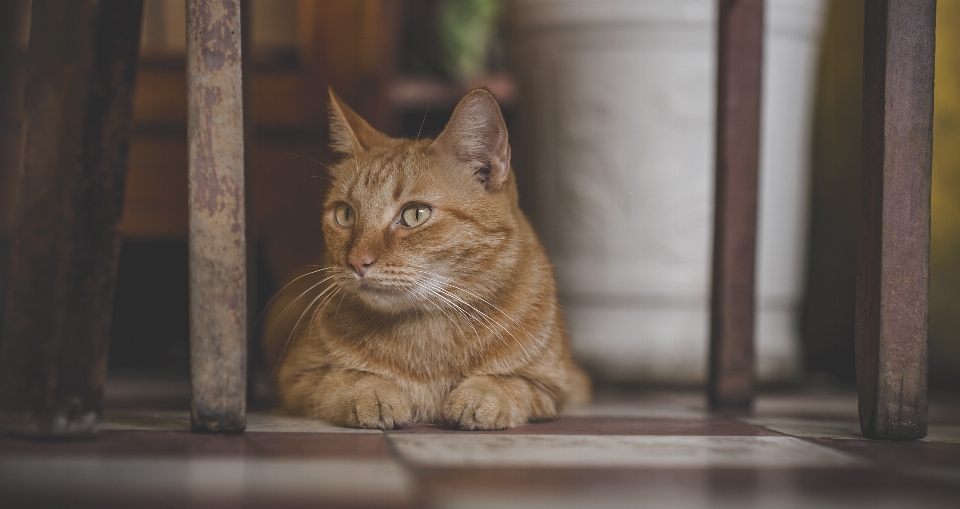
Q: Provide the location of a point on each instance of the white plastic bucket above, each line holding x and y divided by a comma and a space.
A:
617, 111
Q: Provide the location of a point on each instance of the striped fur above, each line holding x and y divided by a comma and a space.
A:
456, 321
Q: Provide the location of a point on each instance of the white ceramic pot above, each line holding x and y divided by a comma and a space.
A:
618, 108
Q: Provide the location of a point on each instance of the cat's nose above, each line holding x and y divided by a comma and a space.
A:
361, 262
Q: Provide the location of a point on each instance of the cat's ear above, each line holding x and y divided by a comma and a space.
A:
477, 136
349, 133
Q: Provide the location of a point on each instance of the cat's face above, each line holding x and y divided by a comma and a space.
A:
421, 224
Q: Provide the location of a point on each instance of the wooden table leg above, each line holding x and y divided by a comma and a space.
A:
65, 242
740, 50
894, 246
218, 279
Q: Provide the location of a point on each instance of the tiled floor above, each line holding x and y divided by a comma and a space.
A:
628, 449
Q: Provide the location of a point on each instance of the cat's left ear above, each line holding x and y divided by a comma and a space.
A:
477, 136
349, 132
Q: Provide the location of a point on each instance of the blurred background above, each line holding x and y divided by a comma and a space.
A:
611, 119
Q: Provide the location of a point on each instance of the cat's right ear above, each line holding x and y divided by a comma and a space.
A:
477, 136
350, 133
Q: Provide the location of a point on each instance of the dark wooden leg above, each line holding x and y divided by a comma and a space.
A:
894, 251
63, 259
218, 278
740, 50
14, 21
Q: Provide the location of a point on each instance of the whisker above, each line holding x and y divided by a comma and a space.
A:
495, 322
294, 280
305, 177
276, 322
450, 282
314, 322
337, 313
438, 293
440, 308
313, 161
470, 319
423, 121
286, 344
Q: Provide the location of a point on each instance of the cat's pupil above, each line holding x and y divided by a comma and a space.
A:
344, 215
414, 215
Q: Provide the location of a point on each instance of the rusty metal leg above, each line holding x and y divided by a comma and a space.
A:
894, 246
63, 260
218, 280
740, 42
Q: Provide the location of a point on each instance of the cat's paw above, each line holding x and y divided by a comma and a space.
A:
376, 403
481, 403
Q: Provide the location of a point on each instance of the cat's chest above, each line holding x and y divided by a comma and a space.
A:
431, 356
426, 367
426, 349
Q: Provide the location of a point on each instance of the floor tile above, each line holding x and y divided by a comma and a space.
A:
841, 429
629, 448
639, 409
219, 480
621, 426
169, 420
944, 409
614, 451
679, 488
187, 444
896, 455
667, 497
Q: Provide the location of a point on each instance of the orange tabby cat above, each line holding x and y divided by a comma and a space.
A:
436, 302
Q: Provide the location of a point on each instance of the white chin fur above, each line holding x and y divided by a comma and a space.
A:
388, 302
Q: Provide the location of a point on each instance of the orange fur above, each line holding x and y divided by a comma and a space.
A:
455, 320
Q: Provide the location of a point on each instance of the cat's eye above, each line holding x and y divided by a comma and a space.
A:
345, 215
414, 215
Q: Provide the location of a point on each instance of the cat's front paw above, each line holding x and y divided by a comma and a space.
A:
376, 403
482, 403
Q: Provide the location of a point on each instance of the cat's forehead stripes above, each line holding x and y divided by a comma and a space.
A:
386, 176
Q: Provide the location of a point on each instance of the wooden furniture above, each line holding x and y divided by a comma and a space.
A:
63, 258
739, 63
893, 264
217, 218
65, 241
894, 243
